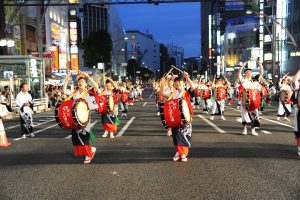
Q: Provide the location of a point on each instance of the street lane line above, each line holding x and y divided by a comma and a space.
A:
266, 132
20, 138
282, 124
92, 125
44, 123
151, 95
68, 137
45, 128
38, 124
212, 124
239, 119
125, 127
11, 127
144, 104
270, 120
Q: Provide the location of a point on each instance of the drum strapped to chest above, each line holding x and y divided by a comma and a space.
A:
205, 94
251, 99
284, 97
175, 113
124, 97
220, 93
106, 104
197, 92
72, 114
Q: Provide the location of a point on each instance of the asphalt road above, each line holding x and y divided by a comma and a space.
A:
223, 164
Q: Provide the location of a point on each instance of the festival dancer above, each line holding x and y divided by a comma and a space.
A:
220, 95
285, 107
204, 91
124, 99
81, 139
109, 119
181, 135
249, 117
296, 87
25, 104
170, 90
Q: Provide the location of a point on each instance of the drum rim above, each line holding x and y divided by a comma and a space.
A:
74, 107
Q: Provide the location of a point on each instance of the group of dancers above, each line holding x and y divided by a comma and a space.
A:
176, 98
112, 95
252, 94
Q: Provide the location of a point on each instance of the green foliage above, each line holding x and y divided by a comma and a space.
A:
97, 48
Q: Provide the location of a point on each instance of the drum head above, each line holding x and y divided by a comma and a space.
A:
82, 112
186, 111
110, 103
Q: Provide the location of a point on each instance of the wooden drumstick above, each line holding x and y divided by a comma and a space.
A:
169, 72
177, 69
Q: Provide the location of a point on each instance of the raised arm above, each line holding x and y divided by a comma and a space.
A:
162, 88
190, 82
240, 71
67, 79
261, 70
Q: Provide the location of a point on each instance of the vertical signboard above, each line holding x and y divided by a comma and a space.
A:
73, 39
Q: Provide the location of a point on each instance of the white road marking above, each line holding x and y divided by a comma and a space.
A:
282, 124
239, 119
144, 104
151, 95
266, 132
11, 127
125, 127
38, 124
20, 138
92, 125
212, 124
68, 137
45, 128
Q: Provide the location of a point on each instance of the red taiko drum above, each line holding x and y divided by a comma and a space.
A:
176, 113
125, 97
251, 99
106, 104
72, 114
205, 94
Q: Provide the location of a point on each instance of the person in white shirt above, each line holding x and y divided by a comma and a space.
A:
24, 102
250, 117
285, 105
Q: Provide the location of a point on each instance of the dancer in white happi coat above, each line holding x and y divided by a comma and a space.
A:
220, 95
250, 116
285, 103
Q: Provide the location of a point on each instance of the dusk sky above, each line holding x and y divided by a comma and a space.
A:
168, 23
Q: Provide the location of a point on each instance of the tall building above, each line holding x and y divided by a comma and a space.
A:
229, 35
292, 55
143, 47
95, 18
177, 53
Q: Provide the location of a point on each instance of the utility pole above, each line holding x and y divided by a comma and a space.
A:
274, 44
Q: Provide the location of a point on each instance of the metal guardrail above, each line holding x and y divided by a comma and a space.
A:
36, 102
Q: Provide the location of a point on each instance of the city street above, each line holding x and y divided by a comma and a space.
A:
223, 164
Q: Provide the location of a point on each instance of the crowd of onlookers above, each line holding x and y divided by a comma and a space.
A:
6, 97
